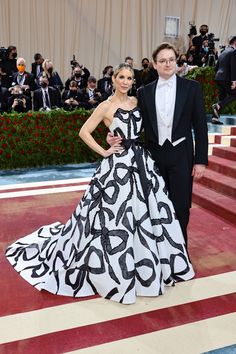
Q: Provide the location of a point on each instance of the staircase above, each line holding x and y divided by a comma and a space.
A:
216, 191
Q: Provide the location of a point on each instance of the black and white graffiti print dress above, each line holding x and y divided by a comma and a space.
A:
123, 239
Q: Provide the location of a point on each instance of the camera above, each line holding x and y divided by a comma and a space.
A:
73, 62
97, 95
211, 40
181, 63
211, 44
20, 102
3, 53
192, 29
222, 48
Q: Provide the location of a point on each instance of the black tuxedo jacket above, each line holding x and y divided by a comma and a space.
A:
226, 65
197, 41
189, 113
54, 96
19, 108
4, 95
101, 85
34, 69
29, 80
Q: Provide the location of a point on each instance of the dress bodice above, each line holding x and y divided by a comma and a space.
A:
126, 123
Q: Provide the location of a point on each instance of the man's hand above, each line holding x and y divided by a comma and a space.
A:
113, 140
233, 85
198, 171
15, 102
25, 87
114, 149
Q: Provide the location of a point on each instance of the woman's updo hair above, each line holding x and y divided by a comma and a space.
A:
121, 67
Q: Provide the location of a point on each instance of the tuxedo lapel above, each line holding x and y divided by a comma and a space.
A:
152, 106
181, 96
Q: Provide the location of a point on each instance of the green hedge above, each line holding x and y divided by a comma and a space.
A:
51, 138
39, 139
206, 77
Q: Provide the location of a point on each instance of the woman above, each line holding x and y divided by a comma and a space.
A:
145, 73
53, 76
182, 67
123, 239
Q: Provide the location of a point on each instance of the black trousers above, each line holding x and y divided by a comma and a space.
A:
226, 95
176, 169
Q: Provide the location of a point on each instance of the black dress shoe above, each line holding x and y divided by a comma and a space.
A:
216, 110
215, 120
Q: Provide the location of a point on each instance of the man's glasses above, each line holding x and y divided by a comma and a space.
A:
166, 61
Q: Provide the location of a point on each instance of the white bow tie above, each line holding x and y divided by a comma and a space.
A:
163, 83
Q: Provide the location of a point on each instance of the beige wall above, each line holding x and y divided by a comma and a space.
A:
101, 32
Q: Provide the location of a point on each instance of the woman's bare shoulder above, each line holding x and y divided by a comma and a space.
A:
134, 100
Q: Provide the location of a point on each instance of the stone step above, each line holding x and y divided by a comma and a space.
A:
233, 130
226, 139
225, 152
211, 146
219, 182
226, 129
221, 165
218, 139
233, 142
219, 204
212, 137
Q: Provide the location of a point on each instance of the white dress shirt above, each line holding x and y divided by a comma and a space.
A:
44, 92
91, 94
38, 70
20, 79
165, 104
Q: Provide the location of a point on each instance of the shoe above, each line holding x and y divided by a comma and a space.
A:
215, 120
216, 110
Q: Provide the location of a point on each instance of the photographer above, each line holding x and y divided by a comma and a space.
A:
80, 74
4, 94
19, 102
208, 54
105, 85
182, 66
71, 99
192, 56
198, 40
226, 79
8, 64
147, 74
91, 96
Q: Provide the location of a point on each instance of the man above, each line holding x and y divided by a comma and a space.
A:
4, 94
18, 101
71, 99
47, 97
137, 78
23, 78
105, 85
80, 74
36, 67
198, 40
225, 79
171, 106
8, 65
91, 97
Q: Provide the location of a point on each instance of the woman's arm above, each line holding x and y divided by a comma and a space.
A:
91, 124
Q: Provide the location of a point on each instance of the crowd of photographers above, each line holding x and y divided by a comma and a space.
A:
43, 89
